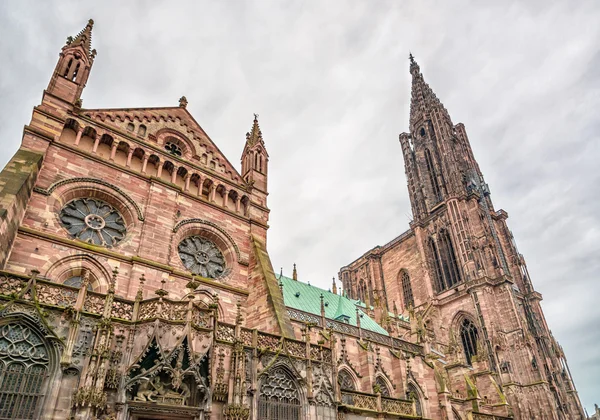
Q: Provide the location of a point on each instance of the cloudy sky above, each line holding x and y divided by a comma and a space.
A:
331, 84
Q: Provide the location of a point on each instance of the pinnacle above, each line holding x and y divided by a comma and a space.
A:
84, 39
423, 99
255, 135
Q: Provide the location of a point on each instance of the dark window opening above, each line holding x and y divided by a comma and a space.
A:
449, 264
409, 300
468, 336
435, 187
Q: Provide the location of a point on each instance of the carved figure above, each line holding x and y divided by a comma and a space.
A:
144, 392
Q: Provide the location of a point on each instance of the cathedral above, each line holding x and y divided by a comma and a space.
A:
135, 282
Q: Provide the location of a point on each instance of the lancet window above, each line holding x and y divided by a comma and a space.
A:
345, 381
279, 398
438, 277
445, 266
413, 395
381, 387
468, 336
409, 300
435, 187
449, 264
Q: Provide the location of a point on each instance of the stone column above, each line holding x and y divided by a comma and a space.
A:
238, 202
144, 164
225, 194
129, 156
78, 138
213, 191
96, 143
187, 182
113, 152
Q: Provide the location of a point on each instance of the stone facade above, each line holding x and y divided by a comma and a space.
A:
135, 282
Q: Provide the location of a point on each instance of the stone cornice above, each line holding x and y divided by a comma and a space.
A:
151, 178
130, 259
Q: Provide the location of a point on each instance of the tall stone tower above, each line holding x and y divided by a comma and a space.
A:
458, 273
135, 282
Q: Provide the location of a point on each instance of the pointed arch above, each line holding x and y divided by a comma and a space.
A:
407, 292
455, 414
469, 336
438, 278
24, 375
280, 396
346, 380
382, 386
413, 393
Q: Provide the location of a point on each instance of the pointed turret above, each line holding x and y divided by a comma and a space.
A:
255, 159
73, 67
423, 102
437, 154
83, 39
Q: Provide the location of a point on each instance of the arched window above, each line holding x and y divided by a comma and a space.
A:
413, 394
279, 398
449, 264
435, 187
409, 300
455, 414
142, 130
68, 67
468, 336
23, 367
76, 71
76, 281
438, 277
130, 127
345, 381
381, 387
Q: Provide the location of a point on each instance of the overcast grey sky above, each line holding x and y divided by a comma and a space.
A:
331, 84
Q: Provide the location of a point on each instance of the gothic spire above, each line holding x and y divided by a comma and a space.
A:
255, 135
84, 39
423, 100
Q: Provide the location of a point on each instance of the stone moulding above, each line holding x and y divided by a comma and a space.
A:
106, 252
182, 223
347, 329
54, 186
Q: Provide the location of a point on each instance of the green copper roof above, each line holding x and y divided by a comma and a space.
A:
309, 300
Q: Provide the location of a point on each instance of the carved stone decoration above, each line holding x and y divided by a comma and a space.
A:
93, 221
24, 360
278, 392
202, 257
179, 378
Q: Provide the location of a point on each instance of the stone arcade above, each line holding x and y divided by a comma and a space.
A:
135, 282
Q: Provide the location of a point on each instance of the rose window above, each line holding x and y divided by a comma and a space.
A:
202, 257
173, 149
93, 221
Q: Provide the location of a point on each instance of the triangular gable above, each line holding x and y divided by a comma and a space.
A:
161, 119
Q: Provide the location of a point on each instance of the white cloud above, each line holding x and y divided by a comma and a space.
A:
330, 81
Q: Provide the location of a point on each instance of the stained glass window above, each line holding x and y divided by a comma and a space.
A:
202, 257
23, 369
468, 335
93, 221
279, 398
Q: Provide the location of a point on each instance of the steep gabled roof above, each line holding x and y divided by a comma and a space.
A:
179, 115
307, 298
